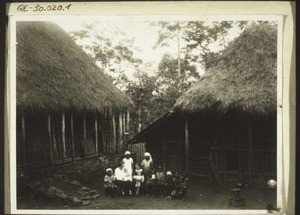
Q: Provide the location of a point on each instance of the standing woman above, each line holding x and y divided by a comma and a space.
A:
147, 164
128, 163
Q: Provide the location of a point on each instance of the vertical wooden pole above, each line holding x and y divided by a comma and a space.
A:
127, 121
24, 156
239, 155
114, 143
179, 151
120, 141
63, 136
250, 149
164, 151
103, 130
84, 137
72, 137
96, 135
187, 144
124, 131
224, 155
139, 120
50, 140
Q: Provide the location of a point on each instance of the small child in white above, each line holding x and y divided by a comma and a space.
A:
109, 183
138, 177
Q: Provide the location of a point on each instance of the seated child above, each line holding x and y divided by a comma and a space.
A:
138, 177
160, 180
169, 184
177, 186
127, 181
180, 186
109, 183
184, 186
150, 184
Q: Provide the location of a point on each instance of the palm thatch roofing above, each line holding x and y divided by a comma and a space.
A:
242, 79
53, 73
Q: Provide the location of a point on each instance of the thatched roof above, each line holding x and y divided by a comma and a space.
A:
242, 79
53, 73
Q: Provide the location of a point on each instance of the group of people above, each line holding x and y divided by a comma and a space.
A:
129, 179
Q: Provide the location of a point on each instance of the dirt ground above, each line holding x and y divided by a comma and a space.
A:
200, 195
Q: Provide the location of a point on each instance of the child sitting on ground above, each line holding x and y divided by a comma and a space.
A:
168, 185
150, 184
160, 180
138, 177
109, 183
180, 186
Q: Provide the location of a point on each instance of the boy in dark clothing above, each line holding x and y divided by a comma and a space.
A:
160, 180
150, 184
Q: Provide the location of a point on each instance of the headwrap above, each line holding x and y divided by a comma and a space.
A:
127, 153
149, 155
169, 173
108, 169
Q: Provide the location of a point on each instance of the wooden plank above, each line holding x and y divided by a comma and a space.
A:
127, 121
215, 173
63, 137
50, 140
187, 144
250, 148
84, 137
224, 154
239, 155
96, 135
164, 151
72, 137
179, 151
124, 131
120, 139
114, 142
24, 151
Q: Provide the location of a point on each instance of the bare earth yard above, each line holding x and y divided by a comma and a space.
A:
201, 195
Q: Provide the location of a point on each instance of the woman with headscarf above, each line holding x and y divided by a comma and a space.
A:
128, 163
147, 164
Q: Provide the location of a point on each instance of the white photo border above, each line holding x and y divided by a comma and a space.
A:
276, 11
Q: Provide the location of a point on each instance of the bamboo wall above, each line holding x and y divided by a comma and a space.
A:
46, 139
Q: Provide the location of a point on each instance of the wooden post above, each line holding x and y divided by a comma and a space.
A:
164, 150
187, 144
96, 135
127, 119
114, 143
124, 131
103, 129
120, 141
72, 138
139, 120
84, 137
179, 151
50, 140
239, 155
24, 157
63, 136
250, 149
224, 155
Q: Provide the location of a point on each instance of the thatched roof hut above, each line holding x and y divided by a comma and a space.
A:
243, 79
53, 73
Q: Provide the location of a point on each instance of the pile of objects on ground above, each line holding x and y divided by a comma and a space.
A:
64, 184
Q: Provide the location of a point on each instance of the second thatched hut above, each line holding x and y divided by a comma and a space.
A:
224, 127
